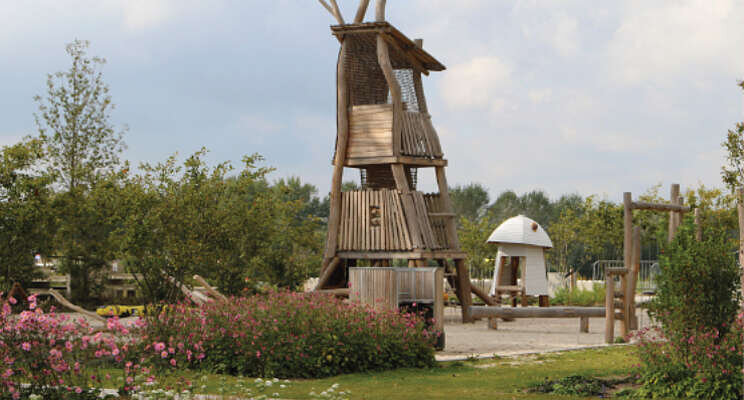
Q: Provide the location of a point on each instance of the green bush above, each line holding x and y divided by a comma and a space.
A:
579, 297
286, 335
697, 350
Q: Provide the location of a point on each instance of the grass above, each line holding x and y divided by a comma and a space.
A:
580, 297
498, 378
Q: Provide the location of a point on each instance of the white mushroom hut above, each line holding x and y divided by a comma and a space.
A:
520, 261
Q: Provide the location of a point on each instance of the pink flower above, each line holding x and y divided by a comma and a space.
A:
159, 346
26, 346
164, 354
258, 354
78, 390
173, 362
12, 300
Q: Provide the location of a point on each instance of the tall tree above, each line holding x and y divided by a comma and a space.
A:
82, 147
24, 212
469, 201
733, 176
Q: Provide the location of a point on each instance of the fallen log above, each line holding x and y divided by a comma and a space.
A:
537, 312
62, 300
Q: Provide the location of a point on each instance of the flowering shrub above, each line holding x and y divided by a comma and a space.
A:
51, 355
697, 350
285, 334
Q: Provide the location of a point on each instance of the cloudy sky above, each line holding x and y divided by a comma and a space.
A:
592, 97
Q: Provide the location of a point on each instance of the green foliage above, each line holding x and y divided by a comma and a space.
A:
24, 212
286, 335
579, 297
697, 287
697, 351
235, 231
82, 152
575, 385
733, 173
469, 201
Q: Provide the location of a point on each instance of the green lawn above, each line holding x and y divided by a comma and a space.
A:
503, 378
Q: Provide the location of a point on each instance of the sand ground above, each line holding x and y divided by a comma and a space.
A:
521, 336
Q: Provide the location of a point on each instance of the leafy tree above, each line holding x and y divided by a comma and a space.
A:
82, 149
469, 201
236, 231
733, 172
24, 212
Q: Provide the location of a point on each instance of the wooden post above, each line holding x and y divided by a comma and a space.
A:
630, 308
342, 121
627, 257
359, 17
584, 324
447, 205
698, 227
609, 307
380, 11
674, 199
464, 292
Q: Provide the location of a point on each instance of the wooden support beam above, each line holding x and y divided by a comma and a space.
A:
635, 267
627, 250
642, 205
610, 307
417, 66
447, 206
359, 17
380, 10
383, 59
332, 11
464, 292
217, 295
62, 300
537, 312
337, 12
673, 198
482, 295
342, 122
326, 275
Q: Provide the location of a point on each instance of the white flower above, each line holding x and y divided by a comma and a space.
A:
282, 386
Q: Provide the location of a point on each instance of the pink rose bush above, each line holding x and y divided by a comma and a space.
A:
56, 356
285, 334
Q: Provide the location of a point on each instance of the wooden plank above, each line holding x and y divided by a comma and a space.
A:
482, 295
630, 307
627, 251
410, 161
673, 199
409, 210
537, 312
326, 275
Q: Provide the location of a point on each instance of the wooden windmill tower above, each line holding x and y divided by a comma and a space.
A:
385, 131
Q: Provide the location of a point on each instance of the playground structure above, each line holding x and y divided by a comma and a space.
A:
385, 131
619, 304
522, 243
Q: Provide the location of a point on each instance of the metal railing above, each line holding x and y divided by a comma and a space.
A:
646, 275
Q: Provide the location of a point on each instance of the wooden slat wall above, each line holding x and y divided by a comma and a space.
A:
377, 287
371, 131
418, 137
439, 225
390, 232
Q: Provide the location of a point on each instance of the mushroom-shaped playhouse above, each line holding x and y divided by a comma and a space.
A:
520, 261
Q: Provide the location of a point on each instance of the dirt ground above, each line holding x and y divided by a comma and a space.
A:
521, 336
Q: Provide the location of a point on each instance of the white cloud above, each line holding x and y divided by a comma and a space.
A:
665, 40
143, 14
476, 83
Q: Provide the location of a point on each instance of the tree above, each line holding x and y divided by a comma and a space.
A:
733, 177
82, 148
24, 212
469, 201
235, 231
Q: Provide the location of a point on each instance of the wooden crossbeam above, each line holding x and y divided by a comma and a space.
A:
642, 205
